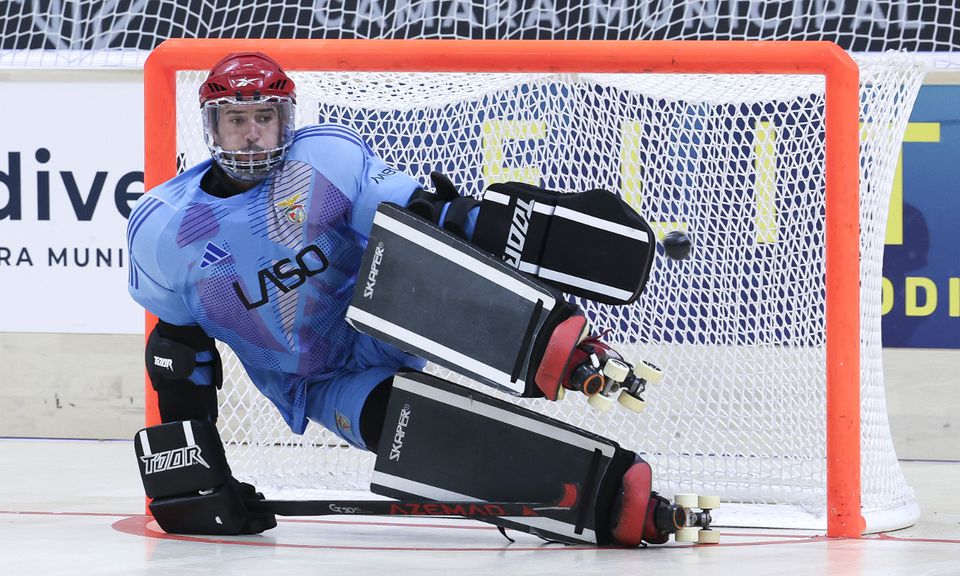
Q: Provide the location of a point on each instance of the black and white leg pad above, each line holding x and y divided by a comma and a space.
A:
429, 293
446, 442
184, 470
590, 244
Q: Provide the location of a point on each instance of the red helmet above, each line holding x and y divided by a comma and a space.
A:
247, 76
249, 110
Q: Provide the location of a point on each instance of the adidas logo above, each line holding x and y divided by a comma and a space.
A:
212, 254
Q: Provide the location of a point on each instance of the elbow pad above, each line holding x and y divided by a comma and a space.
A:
185, 370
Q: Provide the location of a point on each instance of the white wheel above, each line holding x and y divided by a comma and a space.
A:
630, 403
686, 500
616, 370
708, 502
648, 372
686, 535
600, 403
708, 536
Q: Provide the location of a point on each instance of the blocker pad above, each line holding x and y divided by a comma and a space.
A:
590, 244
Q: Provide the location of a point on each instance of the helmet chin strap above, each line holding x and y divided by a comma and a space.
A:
248, 170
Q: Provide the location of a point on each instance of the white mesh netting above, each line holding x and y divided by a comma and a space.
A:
738, 329
122, 32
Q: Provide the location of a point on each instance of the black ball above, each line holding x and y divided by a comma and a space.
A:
677, 245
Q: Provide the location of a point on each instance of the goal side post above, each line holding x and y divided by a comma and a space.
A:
842, 257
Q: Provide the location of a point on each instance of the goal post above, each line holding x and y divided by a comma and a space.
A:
841, 167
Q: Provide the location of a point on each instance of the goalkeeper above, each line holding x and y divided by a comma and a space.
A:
259, 247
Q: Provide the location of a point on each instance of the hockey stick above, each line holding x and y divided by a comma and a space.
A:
474, 509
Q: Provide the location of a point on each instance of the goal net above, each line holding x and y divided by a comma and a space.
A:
94, 33
740, 329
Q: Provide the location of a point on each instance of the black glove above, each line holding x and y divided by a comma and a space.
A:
431, 205
184, 470
223, 511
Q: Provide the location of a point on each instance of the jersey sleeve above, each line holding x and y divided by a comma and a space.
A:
148, 284
379, 182
375, 181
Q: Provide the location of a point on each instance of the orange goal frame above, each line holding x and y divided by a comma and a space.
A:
606, 56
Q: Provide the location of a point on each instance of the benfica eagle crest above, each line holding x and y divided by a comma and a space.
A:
292, 209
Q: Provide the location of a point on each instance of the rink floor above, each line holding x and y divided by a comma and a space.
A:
76, 507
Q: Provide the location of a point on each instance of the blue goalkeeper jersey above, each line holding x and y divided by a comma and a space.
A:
269, 271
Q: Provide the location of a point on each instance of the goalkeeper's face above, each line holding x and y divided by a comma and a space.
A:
248, 128
248, 139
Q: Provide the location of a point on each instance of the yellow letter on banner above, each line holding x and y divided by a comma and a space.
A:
765, 168
887, 300
954, 297
631, 177
915, 283
495, 134
631, 169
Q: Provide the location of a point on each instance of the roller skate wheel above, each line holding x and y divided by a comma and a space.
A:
648, 372
600, 403
686, 535
686, 500
708, 502
561, 391
616, 370
631, 402
708, 536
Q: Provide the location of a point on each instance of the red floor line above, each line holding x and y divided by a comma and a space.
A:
137, 526
882, 536
34, 513
143, 520
372, 523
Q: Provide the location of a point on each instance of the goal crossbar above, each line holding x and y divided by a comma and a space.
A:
841, 77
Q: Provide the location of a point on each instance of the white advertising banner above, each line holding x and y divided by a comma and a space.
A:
71, 167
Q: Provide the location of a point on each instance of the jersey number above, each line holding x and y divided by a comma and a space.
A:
310, 261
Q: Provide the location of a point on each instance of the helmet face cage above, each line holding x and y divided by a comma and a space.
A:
227, 124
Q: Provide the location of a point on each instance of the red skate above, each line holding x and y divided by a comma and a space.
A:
574, 360
643, 516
